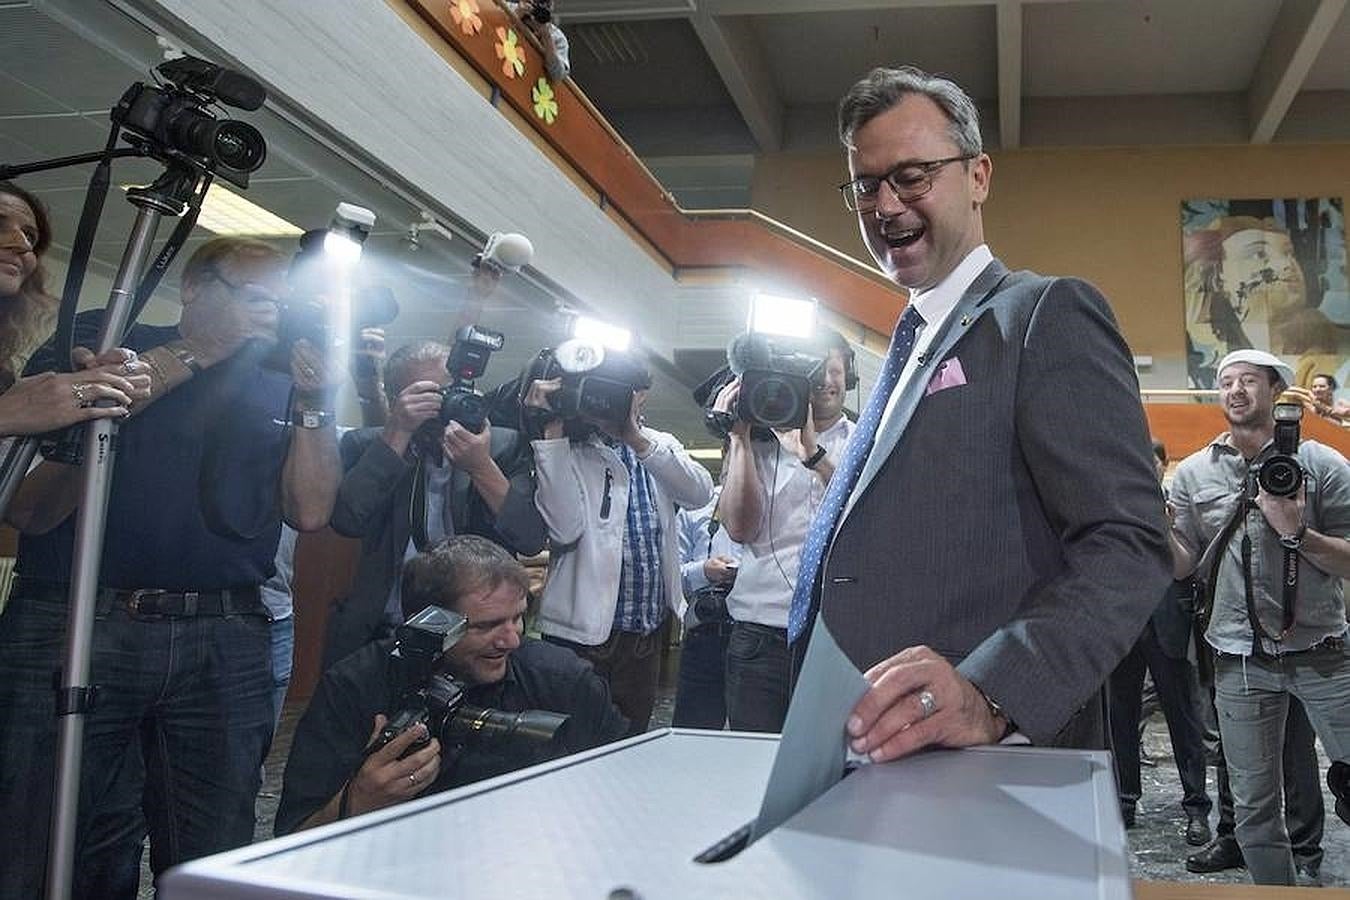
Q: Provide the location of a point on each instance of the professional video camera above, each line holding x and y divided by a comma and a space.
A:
438, 700
320, 274
171, 121
780, 360
1281, 474
598, 382
460, 401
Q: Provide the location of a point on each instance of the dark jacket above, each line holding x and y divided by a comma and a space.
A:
376, 503
332, 735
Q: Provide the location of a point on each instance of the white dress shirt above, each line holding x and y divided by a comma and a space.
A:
935, 305
792, 493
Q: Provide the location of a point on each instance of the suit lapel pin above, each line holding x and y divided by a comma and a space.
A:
923, 358
965, 320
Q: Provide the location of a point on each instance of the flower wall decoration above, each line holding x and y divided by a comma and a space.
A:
465, 14
510, 52
545, 101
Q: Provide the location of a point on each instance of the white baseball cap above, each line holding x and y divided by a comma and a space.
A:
1258, 358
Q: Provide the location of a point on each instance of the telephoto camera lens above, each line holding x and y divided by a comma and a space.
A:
490, 725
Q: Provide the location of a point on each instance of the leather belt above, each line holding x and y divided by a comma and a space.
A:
154, 601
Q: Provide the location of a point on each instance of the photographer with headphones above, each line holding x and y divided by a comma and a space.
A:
770, 491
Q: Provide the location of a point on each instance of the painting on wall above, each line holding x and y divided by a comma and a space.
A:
1268, 274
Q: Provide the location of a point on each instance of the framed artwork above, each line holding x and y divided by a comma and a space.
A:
1270, 275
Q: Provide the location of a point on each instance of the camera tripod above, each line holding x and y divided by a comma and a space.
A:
179, 192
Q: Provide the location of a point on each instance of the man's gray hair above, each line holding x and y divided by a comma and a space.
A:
884, 88
396, 369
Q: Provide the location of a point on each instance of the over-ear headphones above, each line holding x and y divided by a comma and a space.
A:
833, 340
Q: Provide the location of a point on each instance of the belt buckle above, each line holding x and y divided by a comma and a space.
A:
134, 601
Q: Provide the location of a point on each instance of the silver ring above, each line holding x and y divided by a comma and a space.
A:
413, 778
129, 367
928, 702
81, 399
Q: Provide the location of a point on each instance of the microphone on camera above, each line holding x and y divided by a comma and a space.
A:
748, 351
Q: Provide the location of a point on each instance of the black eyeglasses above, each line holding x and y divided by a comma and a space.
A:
909, 181
250, 291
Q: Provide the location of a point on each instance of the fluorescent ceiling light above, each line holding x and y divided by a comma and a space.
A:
227, 213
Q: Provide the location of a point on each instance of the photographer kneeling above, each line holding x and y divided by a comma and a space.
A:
496, 667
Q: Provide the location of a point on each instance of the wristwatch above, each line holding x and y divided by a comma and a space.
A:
1294, 541
186, 357
814, 459
996, 710
311, 418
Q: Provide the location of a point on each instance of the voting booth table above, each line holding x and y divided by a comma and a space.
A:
628, 821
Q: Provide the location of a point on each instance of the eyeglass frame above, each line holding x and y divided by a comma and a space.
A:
252, 290
928, 168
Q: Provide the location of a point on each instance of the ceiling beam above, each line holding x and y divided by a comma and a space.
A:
777, 7
738, 58
632, 10
1296, 39
1009, 26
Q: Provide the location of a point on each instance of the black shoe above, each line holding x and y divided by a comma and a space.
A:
1338, 779
1307, 875
1223, 853
1197, 831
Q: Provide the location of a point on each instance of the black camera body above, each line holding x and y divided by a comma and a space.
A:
540, 11
171, 121
437, 699
305, 313
1281, 475
598, 383
469, 356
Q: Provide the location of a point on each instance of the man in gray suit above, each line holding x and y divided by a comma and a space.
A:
998, 540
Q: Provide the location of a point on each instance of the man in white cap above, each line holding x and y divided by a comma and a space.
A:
1273, 553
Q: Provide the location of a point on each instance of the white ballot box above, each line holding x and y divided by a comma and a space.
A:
625, 822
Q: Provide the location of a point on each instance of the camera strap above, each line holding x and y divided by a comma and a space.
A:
1289, 594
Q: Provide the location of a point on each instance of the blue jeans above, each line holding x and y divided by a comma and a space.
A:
283, 660
700, 695
174, 743
1252, 697
758, 677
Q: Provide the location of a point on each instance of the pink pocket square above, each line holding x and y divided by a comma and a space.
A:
949, 374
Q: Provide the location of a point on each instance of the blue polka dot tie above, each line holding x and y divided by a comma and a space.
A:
847, 472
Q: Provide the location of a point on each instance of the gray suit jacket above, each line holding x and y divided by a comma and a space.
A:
1013, 523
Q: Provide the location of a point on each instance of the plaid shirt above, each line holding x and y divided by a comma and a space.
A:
642, 600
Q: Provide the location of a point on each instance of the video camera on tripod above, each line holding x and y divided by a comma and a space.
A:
170, 122
438, 700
